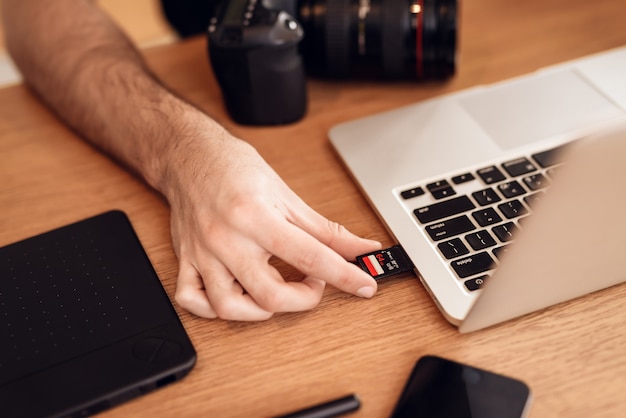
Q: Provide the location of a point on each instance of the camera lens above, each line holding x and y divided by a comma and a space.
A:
379, 38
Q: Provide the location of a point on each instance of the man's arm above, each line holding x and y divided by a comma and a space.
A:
80, 63
230, 212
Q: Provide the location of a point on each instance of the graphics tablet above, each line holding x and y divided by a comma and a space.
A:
85, 322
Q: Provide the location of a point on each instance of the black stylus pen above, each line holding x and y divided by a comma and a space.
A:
330, 409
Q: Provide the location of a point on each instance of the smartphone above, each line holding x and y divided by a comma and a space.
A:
439, 388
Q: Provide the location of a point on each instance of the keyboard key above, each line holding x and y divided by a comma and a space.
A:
513, 209
417, 191
486, 197
550, 157
473, 264
505, 231
486, 217
551, 172
441, 189
532, 199
518, 167
500, 251
449, 228
453, 248
475, 283
536, 182
511, 189
444, 209
480, 240
463, 178
491, 174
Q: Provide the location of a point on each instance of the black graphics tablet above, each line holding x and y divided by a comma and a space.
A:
85, 323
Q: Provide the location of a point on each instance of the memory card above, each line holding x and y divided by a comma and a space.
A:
384, 263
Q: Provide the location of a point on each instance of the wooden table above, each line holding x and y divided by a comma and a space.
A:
573, 356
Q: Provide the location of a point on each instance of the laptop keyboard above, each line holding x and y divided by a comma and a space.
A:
473, 216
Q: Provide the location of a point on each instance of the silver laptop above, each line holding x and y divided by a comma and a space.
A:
507, 198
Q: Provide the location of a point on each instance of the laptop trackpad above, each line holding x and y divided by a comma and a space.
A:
528, 110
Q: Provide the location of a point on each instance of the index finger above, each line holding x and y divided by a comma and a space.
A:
330, 233
315, 259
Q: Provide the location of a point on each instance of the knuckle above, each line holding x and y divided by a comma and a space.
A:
312, 302
184, 297
187, 299
227, 309
238, 207
267, 290
335, 231
308, 261
271, 300
243, 215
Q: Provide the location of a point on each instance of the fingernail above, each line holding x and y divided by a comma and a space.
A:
366, 292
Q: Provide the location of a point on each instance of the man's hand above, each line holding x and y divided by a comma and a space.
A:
230, 214
230, 211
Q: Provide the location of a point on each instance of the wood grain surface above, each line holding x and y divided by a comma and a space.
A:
572, 356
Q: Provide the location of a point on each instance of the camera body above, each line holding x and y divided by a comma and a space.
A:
259, 49
253, 46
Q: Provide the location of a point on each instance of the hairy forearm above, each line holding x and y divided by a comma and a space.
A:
230, 212
84, 67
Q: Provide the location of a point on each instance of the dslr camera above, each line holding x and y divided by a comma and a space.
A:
262, 50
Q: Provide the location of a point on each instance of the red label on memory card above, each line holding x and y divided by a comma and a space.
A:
374, 264
383, 263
